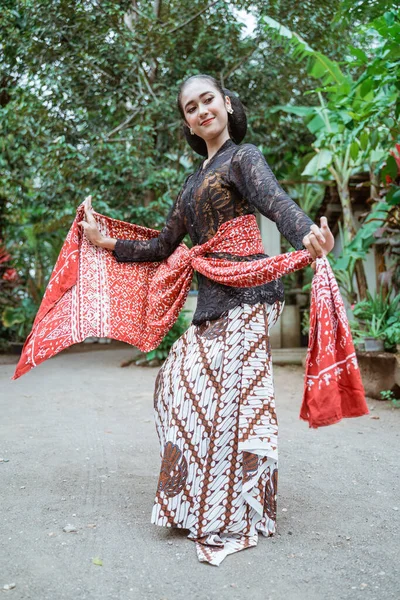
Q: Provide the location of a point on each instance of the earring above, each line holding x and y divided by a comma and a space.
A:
230, 110
191, 131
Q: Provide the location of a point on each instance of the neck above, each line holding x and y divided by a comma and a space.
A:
215, 144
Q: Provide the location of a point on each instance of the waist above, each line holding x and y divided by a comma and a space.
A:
237, 237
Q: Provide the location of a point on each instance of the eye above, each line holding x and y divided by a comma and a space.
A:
210, 98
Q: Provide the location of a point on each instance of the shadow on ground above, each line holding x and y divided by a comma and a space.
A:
79, 447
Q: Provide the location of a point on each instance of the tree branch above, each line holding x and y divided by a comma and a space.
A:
146, 79
139, 12
241, 61
157, 9
123, 124
191, 18
64, 38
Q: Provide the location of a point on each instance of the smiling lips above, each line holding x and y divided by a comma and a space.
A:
208, 121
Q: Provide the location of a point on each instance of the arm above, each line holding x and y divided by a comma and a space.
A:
159, 247
154, 249
255, 181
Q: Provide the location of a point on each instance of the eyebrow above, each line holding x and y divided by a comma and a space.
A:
201, 95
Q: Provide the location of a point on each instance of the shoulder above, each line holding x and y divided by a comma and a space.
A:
247, 159
186, 181
187, 178
246, 152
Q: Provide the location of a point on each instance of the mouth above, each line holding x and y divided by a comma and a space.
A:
208, 121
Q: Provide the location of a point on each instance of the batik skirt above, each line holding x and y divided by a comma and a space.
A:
215, 416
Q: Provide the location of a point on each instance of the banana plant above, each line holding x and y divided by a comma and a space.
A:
351, 122
309, 196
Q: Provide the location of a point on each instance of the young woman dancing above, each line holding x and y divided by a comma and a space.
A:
214, 395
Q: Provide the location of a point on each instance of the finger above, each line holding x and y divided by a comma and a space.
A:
313, 265
88, 203
89, 216
311, 241
309, 247
316, 247
324, 223
83, 224
318, 233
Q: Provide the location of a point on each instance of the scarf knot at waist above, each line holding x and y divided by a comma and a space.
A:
91, 294
237, 237
240, 236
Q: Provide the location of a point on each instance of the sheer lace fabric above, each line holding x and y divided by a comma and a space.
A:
235, 182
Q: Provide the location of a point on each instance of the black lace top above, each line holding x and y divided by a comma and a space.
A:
236, 181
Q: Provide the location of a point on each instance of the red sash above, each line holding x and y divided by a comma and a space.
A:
91, 294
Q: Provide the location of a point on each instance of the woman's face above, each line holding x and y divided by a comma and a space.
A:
205, 108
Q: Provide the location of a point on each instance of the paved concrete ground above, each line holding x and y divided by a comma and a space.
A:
79, 438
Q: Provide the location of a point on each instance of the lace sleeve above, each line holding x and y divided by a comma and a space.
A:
255, 181
159, 247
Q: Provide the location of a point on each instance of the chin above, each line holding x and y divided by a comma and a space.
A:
212, 133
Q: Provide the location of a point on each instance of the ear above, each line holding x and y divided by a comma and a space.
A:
228, 102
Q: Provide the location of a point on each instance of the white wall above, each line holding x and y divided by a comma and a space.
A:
271, 239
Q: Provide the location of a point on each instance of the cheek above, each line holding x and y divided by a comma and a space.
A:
216, 109
220, 104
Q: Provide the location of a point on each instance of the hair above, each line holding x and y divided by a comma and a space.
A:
237, 121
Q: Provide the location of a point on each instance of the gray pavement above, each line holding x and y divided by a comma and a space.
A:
78, 447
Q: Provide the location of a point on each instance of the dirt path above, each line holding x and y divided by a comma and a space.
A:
81, 446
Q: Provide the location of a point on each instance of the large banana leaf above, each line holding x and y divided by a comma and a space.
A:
320, 161
320, 66
315, 122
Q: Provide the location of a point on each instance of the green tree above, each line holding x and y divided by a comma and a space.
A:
353, 123
87, 105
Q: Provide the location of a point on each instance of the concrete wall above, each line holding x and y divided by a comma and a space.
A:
190, 304
271, 239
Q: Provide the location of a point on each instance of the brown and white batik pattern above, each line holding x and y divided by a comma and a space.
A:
215, 416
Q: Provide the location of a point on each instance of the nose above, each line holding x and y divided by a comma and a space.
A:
203, 111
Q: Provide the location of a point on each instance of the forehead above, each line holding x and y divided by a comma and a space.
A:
194, 89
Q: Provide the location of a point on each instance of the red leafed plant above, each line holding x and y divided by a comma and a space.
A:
6, 273
396, 155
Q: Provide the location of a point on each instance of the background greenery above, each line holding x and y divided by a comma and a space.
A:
88, 105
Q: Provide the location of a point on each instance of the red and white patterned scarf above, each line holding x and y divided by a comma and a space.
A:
91, 294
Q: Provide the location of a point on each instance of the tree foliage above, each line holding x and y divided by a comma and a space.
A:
88, 105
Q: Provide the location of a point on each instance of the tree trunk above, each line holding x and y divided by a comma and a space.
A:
349, 224
380, 267
130, 19
148, 197
374, 179
380, 258
5, 97
361, 279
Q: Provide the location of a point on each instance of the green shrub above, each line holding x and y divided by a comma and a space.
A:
161, 352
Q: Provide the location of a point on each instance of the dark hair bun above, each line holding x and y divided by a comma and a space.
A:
237, 126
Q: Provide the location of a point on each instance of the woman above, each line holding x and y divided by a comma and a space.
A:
214, 396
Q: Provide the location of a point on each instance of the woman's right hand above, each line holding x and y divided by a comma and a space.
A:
89, 225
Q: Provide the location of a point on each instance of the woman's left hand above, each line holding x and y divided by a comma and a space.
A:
319, 241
